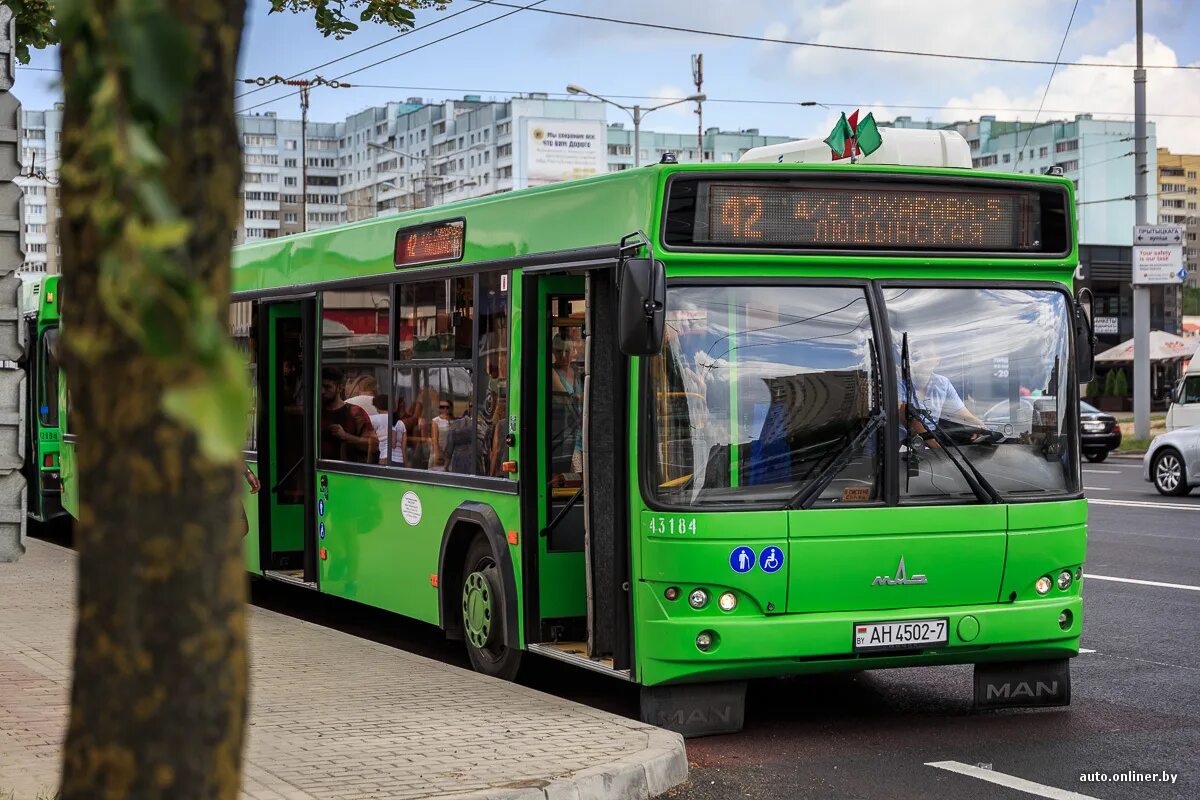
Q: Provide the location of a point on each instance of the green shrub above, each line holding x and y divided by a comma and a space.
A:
1120, 384
1110, 378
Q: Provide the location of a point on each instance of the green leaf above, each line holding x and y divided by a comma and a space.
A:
213, 408
164, 55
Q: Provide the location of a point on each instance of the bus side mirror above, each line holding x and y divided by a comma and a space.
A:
1085, 337
641, 306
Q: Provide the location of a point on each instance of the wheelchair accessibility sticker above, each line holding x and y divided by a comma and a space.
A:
770, 559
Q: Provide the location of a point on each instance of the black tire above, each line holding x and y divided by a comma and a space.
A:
1167, 473
1096, 456
482, 603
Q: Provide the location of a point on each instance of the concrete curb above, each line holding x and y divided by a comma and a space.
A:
638, 776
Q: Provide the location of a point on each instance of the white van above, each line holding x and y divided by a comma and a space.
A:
1185, 400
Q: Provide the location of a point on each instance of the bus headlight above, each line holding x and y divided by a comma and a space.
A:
727, 601
705, 641
1043, 584
698, 598
1064, 579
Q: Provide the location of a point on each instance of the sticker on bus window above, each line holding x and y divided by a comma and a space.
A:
410, 508
856, 494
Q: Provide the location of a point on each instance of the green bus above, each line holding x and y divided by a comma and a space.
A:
38, 303
688, 425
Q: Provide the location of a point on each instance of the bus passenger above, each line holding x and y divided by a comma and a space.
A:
459, 436
399, 442
441, 423
361, 392
346, 430
379, 421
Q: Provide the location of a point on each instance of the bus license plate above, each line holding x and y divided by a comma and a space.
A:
913, 634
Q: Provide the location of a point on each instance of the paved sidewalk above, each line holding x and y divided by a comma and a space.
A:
405, 727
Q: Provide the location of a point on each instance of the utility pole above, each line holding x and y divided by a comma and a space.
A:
698, 79
1141, 293
304, 86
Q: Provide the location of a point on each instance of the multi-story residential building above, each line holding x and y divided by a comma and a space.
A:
1097, 155
40, 140
287, 177
1178, 189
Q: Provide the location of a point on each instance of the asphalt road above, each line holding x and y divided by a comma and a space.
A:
1135, 699
1136, 694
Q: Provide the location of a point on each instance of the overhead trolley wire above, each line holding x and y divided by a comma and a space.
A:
1049, 81
845, 47
361, 50
517, 10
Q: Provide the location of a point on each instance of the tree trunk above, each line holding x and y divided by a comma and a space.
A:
158, 703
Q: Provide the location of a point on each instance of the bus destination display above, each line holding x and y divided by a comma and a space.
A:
435, 243
877, 217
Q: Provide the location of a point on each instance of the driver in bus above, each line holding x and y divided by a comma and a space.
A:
932, 392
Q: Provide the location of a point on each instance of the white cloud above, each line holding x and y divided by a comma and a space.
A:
1106, 93
947, 26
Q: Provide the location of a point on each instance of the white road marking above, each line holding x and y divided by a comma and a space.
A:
1142, 583
1011, 781
1146, 504
1096, 489
1085, 650
1103, 471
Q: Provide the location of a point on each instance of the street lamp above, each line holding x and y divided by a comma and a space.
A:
637, 112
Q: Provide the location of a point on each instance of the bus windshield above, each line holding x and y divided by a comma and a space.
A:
768, 394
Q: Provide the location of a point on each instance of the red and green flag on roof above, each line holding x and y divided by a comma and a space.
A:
850, 137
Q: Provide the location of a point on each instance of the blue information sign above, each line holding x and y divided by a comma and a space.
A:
741, 559
321, 530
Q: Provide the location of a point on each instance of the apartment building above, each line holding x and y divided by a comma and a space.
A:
1177, 197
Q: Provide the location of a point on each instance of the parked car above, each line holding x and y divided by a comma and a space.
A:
1099, 432
1172, 463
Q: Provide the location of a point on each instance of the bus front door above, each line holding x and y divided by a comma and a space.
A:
577, 605
561, 579
287, 541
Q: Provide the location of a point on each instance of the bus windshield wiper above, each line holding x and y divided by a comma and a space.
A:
980, 485
843, 451
845, 448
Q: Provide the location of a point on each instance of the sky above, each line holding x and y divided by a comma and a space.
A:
528, 51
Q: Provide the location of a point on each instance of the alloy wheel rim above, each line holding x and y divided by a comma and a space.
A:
477, 610
1168, 473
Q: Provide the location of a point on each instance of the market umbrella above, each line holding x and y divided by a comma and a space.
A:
1163, 347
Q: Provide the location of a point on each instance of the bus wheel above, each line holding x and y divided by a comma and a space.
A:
483, 610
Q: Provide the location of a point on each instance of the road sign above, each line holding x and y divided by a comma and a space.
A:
1157, 234
1157, 264
741, 559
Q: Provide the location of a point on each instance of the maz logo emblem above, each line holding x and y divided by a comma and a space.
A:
901, 578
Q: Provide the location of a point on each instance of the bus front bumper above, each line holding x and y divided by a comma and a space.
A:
759, 646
